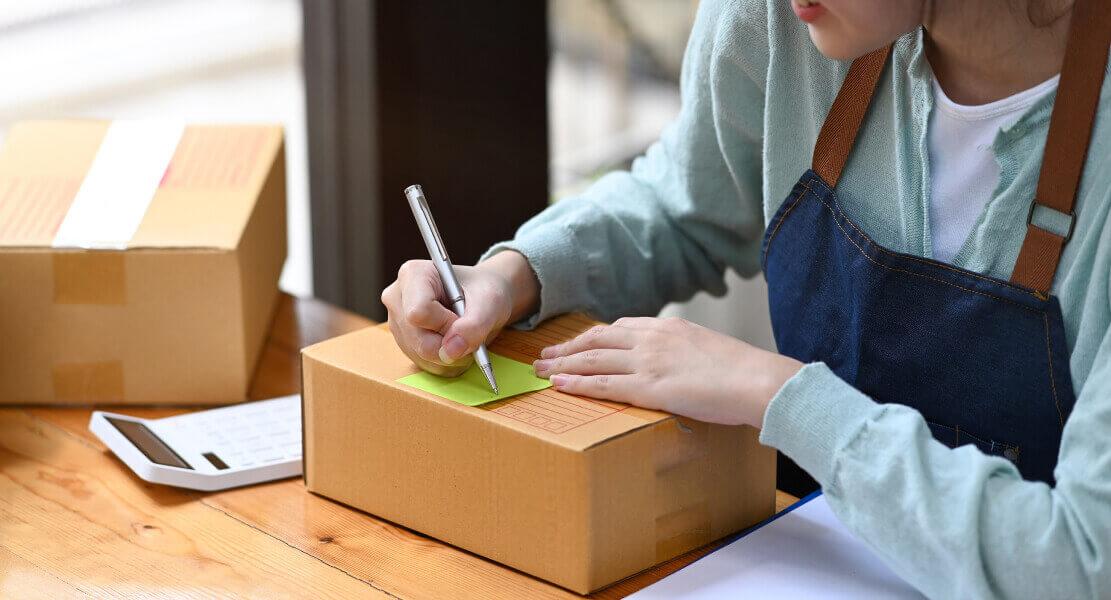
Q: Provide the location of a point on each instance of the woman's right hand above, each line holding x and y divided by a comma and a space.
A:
497, 290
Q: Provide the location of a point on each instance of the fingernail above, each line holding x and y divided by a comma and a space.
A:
558, 381
453, 348
548, 352
542, 365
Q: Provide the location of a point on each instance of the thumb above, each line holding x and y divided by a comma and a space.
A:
466, 334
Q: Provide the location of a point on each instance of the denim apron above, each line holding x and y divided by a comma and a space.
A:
982, 359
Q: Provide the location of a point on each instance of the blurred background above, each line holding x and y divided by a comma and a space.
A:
497, 108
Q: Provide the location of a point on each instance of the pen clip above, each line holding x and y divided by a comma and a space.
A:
435, 230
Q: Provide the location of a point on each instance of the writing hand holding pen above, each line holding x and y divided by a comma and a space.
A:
434, 337
502, 289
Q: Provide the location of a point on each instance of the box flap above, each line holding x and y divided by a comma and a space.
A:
569, 421
203, 200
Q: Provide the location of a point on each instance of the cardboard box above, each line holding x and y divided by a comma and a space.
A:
580, 492
138, 260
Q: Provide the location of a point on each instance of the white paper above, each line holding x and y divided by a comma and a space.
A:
806, 553
120, 184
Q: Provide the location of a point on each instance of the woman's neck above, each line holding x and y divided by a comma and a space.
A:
982, 51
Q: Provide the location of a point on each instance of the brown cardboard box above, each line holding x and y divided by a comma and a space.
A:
179, 314
580, 492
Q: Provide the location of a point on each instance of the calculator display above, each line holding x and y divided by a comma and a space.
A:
148, 443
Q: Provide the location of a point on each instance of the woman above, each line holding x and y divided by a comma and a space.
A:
945, 366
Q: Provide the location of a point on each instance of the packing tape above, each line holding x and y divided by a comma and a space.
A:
681, 480
86, 383
89, 278
685, 442
120, 184
682, 530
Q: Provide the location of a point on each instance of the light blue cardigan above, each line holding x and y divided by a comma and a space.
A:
955, 523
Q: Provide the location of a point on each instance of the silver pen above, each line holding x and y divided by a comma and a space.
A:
438, 252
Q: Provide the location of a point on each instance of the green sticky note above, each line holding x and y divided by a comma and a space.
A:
471, 388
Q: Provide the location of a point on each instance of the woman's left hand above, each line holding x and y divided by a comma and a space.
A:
671, 365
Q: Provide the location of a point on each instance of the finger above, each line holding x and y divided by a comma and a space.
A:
425, 347
641, 322
415, 342
600, 336
425, 343
421, 304
664, 324
466, 333
588, 362
389, 295
452, 370
619, 388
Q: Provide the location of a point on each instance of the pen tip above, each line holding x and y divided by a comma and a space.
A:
488, 371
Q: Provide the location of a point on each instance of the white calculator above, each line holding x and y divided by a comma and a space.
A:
209, 449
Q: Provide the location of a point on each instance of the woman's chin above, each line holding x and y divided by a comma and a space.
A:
838, 45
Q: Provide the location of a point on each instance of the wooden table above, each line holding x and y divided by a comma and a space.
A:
74, 521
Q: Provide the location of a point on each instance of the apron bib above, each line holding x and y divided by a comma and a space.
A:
984, 360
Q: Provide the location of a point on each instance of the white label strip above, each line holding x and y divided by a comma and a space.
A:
120, 184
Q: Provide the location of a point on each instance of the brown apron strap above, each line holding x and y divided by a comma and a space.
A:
838, 134
1066, 144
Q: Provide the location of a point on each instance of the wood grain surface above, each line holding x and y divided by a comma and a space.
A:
76, 522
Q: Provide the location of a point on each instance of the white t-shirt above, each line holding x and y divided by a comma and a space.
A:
963, 170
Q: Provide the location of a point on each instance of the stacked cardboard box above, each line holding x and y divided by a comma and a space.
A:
138, 260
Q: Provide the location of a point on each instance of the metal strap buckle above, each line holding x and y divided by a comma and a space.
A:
1071, 215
